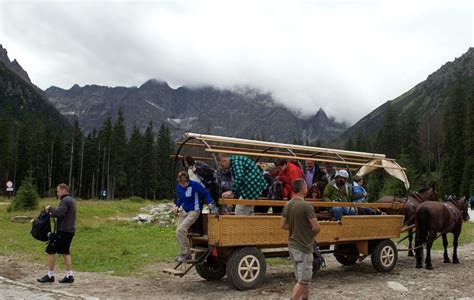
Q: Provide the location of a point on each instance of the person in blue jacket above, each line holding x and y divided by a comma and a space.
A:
189, 200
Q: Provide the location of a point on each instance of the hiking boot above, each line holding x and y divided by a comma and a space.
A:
183, 257
45, 279
67, 279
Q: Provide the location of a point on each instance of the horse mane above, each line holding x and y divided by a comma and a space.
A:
421, 191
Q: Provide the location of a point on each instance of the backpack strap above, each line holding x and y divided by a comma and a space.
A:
55, 226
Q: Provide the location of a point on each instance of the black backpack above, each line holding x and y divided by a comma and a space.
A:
206, 174
318, 259
41, 227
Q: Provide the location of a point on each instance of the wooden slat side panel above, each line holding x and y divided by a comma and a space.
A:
330, 232
251, 230
370, 227
213, 227
231, 230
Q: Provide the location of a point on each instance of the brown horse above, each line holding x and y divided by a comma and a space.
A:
434, 217
411, 203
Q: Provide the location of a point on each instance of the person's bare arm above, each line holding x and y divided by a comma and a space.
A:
284, 223
315, 225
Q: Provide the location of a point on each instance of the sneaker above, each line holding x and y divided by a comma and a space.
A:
66, 279
183, 257
45, 279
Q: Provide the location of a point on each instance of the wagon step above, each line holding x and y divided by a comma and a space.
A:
175, 272
182, 268
199, 250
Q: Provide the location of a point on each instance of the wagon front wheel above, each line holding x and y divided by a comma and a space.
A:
246, 268
212, 268
384, 256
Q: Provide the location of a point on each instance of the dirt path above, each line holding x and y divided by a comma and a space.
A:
18, 280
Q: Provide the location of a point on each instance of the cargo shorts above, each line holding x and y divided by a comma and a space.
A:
303, 263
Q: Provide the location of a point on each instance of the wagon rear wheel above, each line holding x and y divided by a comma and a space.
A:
212, 268
246, 268
346, 254
384, 256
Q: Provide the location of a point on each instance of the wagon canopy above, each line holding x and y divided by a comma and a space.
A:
362, 163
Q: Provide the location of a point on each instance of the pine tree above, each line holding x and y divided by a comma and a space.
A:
467, 186
388, 136
134, 163
410, 139
105, 139
27, 197
119, 154
349, 144
453, 144
149, 164
361, 143
164, 163
7, 131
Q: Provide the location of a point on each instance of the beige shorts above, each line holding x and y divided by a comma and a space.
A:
303, 263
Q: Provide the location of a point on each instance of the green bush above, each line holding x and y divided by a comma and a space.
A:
136, 199
26, 198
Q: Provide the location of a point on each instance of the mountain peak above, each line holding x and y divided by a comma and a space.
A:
155, 83
320, 115
13, 65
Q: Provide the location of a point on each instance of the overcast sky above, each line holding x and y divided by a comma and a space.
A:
347, 57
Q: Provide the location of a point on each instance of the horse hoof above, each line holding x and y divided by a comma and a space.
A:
410, 254
455, 261
419, 266
447, 261
429, 267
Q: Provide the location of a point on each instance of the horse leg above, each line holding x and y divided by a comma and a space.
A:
455, 247
410, 240
445, 245
428, 264
419, 253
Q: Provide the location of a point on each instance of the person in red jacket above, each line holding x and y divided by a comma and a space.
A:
288, 172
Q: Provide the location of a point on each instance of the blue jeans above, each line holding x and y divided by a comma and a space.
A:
364, 210
338, 212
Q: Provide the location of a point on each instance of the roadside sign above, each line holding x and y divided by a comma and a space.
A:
9, 184
9, 189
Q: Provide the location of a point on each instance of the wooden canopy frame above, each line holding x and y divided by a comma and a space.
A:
364, 161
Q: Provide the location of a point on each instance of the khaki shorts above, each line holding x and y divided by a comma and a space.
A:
303, 263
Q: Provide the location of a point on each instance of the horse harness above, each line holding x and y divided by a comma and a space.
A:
453, 210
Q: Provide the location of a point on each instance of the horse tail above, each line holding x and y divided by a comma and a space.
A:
422, 221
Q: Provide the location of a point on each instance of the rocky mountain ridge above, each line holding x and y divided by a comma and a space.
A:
245, 113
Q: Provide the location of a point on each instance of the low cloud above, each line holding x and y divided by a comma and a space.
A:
346, 57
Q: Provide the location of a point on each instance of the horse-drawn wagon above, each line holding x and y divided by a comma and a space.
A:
237, 245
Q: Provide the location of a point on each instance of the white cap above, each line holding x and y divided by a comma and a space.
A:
342, 173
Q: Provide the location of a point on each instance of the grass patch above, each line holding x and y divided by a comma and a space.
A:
101, 244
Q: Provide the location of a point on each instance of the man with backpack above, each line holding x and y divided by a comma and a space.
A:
60, 241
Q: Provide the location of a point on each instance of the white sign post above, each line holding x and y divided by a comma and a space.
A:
9, 186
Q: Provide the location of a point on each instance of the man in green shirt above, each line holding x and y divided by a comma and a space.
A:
247, 181
340, 191
301, 222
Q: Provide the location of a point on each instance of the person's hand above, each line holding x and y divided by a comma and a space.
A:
46, 208
228, 194
175, 210
366, 195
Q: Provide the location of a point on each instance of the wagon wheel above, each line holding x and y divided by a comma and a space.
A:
384, 256
346, 254
246, 268
212, 268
